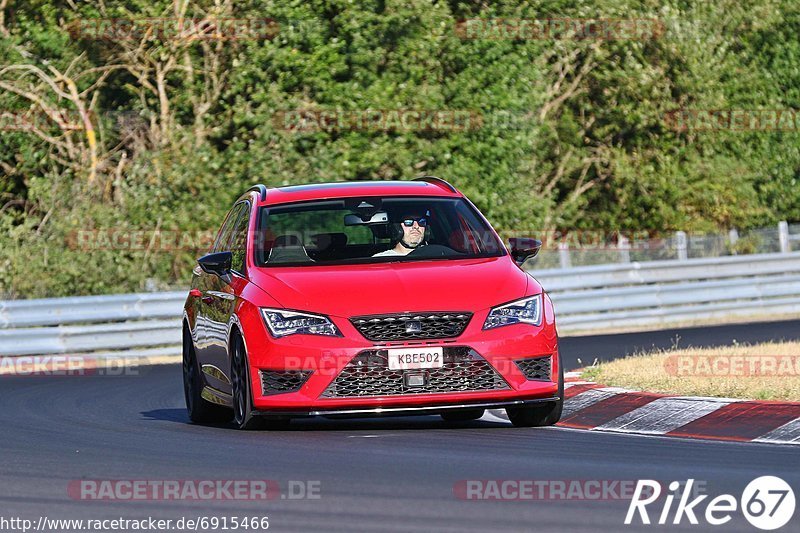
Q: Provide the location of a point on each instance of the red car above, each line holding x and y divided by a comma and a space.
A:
367, 299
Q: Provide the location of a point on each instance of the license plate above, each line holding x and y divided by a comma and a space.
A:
413, 358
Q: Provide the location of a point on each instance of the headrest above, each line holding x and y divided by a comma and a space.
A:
285, 241
323, 241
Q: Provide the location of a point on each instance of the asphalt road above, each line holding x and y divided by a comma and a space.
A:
374, 474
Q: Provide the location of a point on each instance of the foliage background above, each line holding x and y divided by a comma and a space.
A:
183, 126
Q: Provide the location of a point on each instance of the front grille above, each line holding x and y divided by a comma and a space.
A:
368, 374
535, 368
411, 326
282, 381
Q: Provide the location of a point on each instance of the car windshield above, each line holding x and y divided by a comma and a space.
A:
369, 230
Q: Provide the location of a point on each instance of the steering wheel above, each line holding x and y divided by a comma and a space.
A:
434, 250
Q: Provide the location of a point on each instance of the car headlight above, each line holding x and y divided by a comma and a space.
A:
281, 323
526, 311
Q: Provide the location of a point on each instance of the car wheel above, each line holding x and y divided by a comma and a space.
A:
243, 415
200, 410
545, 414
462, 415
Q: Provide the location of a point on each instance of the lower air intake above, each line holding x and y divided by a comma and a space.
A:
535, 368
282, 381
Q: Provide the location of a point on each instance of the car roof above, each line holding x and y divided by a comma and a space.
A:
347, 189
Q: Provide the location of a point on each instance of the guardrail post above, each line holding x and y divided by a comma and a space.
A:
563, 254
624, 247
733, 238
681, 243
783, 236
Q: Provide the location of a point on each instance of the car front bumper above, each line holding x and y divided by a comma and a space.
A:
324, 358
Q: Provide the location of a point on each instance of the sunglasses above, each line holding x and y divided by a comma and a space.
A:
422, 222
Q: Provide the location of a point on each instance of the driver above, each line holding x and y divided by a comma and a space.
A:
412, 226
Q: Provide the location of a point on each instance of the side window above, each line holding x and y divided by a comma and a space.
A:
239, 242
224, 237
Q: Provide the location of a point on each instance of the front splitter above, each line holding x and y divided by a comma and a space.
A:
401, 411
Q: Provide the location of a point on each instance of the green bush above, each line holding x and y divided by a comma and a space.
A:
575, 132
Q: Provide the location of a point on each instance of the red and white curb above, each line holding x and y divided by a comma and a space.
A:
594, 407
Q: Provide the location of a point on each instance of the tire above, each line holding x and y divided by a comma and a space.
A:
243, 413
199, 409
462, 415
545, 414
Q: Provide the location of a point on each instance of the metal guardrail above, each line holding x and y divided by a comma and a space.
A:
591, 298
660, 293
590, 247
81, 309
615, 275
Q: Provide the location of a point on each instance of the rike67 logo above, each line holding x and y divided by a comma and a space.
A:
767, 503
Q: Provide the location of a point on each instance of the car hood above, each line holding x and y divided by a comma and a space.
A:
350, 290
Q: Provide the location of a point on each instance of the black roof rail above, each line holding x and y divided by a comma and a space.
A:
261, 189
437, 181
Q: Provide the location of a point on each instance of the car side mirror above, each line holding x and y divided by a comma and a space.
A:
523, 248
218, 263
